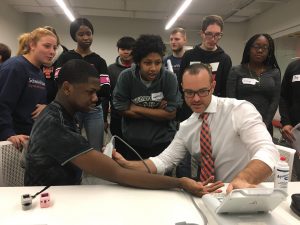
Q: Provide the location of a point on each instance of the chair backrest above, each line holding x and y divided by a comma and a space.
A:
288, 153
11, 172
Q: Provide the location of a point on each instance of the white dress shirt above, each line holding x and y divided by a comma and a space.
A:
238, 135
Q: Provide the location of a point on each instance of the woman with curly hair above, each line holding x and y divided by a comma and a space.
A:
147, 97
257, 78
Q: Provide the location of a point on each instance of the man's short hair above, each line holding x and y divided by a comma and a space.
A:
5, 52
126, 42
76, 71
195, 69
212, 19
179, 30
75, 25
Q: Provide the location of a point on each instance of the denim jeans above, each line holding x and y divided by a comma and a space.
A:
94, 126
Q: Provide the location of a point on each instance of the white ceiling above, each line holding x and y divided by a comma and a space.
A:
230, 10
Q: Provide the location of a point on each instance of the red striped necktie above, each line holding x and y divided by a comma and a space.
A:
206, 159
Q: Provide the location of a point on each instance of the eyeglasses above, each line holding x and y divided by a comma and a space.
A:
258, 47
200, 93
210, 35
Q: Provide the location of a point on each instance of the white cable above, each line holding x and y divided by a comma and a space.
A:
132, 149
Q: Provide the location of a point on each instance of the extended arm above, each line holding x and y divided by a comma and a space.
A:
258, 142
93, 162
254, 173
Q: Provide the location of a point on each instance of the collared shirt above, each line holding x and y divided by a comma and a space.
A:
238, 135
54, 141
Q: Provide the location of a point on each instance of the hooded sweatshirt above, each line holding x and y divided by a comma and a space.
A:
220, 63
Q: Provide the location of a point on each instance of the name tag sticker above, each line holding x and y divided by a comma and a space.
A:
214, 66
249, 81
194, 62
296, 78
157, 96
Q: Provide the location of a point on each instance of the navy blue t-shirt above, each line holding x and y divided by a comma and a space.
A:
22, 87
175, 63
54, 141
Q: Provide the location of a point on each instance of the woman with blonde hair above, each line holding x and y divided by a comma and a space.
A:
23, 45
22, 86
49, 69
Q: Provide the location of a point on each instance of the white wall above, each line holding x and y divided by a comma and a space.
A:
286, 51
109, 30
278, 21
12, 24
234, 41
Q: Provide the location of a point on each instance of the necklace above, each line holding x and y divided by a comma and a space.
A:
256, 77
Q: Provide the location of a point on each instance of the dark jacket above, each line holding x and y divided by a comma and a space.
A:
289, 104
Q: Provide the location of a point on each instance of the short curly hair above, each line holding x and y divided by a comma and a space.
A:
146, 44
75, 25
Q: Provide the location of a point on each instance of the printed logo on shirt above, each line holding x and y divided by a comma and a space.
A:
33, 83
296, 78
249, 81
146, 101
47, 72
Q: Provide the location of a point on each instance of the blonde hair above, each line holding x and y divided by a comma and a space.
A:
33, 37
54, 32
23, 45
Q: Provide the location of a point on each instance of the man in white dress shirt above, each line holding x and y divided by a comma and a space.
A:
242, 149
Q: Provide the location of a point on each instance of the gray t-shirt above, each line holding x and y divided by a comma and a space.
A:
54, 141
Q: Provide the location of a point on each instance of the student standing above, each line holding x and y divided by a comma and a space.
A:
81, 31
177, 43
257, 78
22, 86
123, 61
147, 96
289, 106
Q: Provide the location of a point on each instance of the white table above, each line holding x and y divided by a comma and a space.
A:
111, 204
283, 209
99, 204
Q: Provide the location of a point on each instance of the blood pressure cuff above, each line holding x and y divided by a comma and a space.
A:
295, 205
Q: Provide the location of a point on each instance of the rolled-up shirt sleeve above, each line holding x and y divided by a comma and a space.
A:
254, 134
171, 156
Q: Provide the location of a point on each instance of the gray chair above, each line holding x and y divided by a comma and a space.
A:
11, 172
